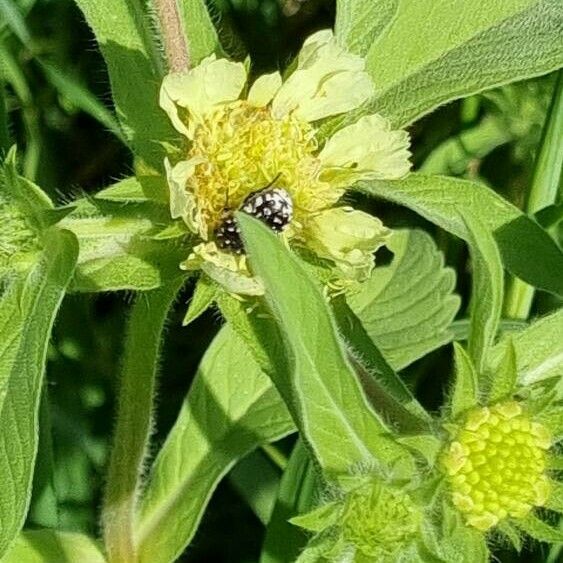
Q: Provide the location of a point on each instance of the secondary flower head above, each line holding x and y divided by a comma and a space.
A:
373, 521
242, 139
496, 465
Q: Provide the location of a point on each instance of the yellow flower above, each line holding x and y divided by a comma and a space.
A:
240, 139
496, 465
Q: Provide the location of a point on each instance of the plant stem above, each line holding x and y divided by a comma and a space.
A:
543, 192
134, 420
283, 541
175, 42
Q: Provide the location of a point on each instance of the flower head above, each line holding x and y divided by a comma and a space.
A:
241, 139
496, 465
371, 521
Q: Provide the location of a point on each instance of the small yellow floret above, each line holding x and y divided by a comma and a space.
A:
496, 465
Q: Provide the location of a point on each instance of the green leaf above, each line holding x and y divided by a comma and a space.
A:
204, 296
296, 494
458, 542
117, 248
49, 546
360, 22
199, 30
318, 519
426, 445
136, 190
486, 291
538, 529
381, 384
81, 97
434, 52
504, 379
538, 350
446, 201
27, 312
29, 198
407, 306
123, 31
316, 378
555, 499
507, 529
230, 409
465, 391
137, 388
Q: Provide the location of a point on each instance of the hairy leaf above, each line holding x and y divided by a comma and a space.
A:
198, 28
27, 313
503, 381
383, 387
436, 52
539, 530
465, 392
117, 249
538, 349
360, 22
231, 409
204, 296
407, 306
123, 31
486, 291
316, 379
446, 201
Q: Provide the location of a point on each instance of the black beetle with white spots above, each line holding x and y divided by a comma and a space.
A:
272, 206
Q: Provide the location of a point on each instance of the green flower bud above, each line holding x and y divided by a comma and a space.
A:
18, 241
496, 465
379, 521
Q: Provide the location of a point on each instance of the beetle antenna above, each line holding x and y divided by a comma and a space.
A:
273, 181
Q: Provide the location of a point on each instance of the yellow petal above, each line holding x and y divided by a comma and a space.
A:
328, 81
200, 91
264, 89
182, 202
227, 269
348, 238
366, 150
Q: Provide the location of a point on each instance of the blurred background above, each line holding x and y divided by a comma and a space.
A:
55, 90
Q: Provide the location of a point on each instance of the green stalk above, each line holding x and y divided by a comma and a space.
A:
284, 541
173, 38
134, 420
543, 192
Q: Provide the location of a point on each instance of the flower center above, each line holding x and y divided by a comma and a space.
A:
379, 521
496, 465
243, 149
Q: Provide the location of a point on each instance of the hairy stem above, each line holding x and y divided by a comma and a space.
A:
175, 42
134, 420
543, 192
